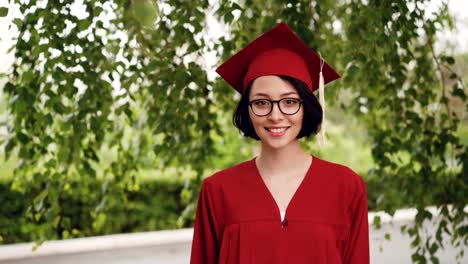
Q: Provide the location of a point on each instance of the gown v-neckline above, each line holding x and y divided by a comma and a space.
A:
269, 194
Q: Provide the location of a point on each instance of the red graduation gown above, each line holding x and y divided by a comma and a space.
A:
238, 220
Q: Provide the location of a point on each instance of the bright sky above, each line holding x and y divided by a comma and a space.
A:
454, 41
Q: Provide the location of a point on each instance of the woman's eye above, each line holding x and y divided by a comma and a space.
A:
291, 101
261, 102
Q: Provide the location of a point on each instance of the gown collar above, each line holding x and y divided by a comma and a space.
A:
267, 193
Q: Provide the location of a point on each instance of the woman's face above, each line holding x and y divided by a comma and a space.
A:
275, 130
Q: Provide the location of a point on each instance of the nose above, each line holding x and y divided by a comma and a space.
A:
275, 112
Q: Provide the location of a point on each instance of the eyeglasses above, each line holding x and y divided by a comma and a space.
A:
287, 106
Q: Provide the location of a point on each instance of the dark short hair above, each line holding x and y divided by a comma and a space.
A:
313, 113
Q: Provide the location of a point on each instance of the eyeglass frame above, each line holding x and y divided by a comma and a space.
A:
277, 102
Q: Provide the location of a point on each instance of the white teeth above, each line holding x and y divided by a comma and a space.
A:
277, 130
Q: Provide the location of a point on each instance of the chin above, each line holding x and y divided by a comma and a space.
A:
277, 144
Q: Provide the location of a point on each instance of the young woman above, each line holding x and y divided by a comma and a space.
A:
285, 205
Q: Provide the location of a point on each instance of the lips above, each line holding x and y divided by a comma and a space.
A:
276, 131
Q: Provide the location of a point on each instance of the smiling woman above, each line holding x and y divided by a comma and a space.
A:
274, 127
296, 99
284, 206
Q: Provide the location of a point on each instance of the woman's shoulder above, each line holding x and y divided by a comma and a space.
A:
341, 173
231, 173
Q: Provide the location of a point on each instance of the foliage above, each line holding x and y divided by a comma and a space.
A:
3, 11
79, 81
154, 206
66, 107
419, 158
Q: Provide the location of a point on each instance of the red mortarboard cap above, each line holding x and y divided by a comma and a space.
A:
277, 52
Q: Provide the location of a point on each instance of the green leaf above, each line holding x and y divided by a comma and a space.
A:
10, 144
228, 18
377, 222
23, 138
28, 76
145, 12
433, 248
18, 22
89, 169
387, 236
39, 199
403, 228
66, 223
352, 72
435, 260
40, 49
3, 11
128, 112
37, 216
59, 108
449, 59
456, 91
84, 24
236, 6
65, 234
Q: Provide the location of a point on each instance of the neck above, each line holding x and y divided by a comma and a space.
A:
285, 159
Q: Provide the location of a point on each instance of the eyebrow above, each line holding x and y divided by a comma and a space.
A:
263, 94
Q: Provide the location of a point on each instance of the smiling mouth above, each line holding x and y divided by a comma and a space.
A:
276, 130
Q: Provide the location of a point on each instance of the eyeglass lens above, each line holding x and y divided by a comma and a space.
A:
288, 106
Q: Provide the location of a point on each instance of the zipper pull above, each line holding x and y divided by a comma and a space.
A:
284, 223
